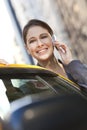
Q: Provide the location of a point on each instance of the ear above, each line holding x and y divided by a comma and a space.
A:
27, 49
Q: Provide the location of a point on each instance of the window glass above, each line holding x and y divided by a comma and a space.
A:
17, 88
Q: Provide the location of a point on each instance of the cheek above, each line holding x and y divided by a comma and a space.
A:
51, 45
31, 49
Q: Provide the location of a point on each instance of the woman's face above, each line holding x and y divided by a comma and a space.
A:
39, 43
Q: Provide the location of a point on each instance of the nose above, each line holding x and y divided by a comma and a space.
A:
39, 42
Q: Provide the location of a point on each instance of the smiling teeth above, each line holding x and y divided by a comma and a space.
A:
42, 51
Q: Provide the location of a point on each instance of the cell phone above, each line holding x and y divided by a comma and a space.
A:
53, 38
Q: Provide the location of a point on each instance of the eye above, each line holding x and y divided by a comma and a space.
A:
44, 36
32, 41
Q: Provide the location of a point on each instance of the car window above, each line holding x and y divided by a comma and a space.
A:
17, 88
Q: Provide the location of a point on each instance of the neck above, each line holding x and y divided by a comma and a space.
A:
53, 65
49, 63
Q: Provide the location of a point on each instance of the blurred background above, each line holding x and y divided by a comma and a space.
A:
67, 18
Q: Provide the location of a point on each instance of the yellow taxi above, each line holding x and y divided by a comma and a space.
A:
41, 99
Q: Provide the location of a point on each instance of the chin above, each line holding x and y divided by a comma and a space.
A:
44, 58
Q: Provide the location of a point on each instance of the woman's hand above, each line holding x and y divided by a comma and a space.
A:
64, 52
2, 61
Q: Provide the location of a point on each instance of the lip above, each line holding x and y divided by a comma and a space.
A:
41, 51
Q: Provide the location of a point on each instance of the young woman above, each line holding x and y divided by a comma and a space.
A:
38, 39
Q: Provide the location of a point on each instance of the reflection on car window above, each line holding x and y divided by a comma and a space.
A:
61, 85
17, 88
26, 85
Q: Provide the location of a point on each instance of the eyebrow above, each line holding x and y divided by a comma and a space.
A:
31, 38
44, 34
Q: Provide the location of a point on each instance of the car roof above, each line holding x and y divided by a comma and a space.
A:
17, 69
20, 66
13, 70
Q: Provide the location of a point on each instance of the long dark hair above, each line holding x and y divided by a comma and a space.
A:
35, 22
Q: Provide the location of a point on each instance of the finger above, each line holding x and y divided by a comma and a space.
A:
57, 45
3, 62
62, 50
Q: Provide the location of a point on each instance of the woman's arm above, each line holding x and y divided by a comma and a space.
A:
78, 72
75, 68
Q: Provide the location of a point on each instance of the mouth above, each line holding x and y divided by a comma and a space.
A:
42, 51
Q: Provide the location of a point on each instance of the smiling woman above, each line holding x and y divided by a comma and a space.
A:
35, 41
39, 42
